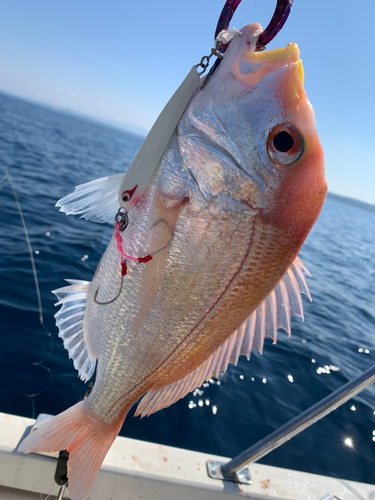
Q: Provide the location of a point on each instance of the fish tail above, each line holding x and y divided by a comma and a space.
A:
86, 438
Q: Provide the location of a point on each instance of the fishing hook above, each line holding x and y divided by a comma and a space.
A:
281, 14
139, 260
114, 298
278, 20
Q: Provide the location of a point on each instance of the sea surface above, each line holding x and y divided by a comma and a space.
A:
47, 154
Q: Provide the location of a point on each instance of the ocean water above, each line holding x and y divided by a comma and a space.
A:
48, 153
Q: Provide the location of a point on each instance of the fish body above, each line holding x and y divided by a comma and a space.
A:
236, 193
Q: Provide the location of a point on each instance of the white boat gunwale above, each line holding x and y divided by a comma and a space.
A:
135, 470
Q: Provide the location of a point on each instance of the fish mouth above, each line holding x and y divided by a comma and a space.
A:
277, 58
285, 55
250, 67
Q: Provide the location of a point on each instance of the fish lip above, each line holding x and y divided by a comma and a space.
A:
270, 61
281, 56
248, 73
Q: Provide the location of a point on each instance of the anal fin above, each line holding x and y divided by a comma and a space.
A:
274, 312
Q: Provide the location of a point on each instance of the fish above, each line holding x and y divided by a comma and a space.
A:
211, 253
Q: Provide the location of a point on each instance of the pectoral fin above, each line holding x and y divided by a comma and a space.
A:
163, 218
95, 200
273, 313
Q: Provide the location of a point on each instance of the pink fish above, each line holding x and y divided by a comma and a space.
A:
237, 191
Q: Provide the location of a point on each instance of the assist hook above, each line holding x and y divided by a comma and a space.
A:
121, 223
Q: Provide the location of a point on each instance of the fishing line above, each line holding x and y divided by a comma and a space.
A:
39, 300
247, 15
60, 493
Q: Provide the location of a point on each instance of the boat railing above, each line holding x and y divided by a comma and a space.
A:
235, 469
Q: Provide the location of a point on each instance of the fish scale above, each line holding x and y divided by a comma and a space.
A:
235, 304
225, 317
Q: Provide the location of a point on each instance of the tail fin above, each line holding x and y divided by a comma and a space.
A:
86, 438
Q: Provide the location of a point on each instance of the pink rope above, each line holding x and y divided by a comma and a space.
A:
119, 240
124, 256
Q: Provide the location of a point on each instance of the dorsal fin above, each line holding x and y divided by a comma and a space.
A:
274, 312
69, 320
95, 200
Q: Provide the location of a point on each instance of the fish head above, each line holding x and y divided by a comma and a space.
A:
282, 124
255, 111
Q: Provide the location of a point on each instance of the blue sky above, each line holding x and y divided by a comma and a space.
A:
121, 61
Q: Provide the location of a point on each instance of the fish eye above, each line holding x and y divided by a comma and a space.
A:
285, 144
